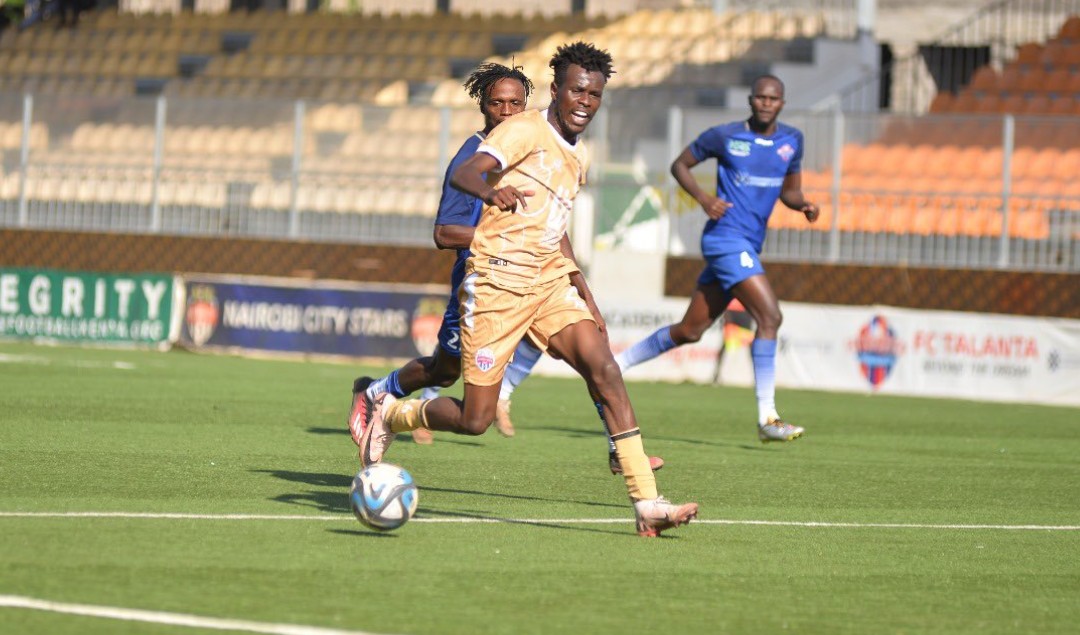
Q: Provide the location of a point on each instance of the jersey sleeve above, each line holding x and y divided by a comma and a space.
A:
795, 166
709, 144
457, 207
511, 141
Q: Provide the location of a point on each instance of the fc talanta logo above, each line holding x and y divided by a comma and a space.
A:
202, 314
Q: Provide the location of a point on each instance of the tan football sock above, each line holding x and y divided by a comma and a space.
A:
640, 481
406, 416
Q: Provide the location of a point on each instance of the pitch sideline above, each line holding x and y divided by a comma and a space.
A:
537, 521
172, 619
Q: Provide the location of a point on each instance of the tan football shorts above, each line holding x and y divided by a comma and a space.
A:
495, 319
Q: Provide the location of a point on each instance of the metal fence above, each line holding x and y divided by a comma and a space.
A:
982, 192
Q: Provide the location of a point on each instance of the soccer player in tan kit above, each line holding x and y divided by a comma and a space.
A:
522, 280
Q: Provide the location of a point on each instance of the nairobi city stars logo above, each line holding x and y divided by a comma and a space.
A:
877, 349
202, 313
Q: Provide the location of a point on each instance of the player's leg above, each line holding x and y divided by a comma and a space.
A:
525, 357
760, 300
494, 321
586, 350
707, 303
655, 462
440, 370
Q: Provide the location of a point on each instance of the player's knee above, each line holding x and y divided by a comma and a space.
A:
606, 375
770, 321
477, 425
477, 420
444, 379
689, 334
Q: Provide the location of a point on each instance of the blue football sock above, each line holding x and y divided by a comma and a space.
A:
386, 384
656, 344
763, 352
525, 357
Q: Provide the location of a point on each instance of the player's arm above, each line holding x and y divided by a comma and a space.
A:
469, 178
791, 195
578, 280
454, 236
680, 169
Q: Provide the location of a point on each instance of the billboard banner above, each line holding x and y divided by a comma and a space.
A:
629, 321
311, 317
888, 350
89, 307
872, 349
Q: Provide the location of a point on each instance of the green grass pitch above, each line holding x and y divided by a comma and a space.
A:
95, 430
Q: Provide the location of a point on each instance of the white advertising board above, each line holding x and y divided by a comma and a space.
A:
873, 349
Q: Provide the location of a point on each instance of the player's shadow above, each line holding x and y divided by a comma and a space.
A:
322, 479
578, 433
442, 438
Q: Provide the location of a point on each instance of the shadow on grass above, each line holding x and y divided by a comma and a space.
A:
367, 533
578, 433
442, 437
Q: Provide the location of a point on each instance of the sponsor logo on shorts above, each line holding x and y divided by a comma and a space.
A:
485, 359
746, 260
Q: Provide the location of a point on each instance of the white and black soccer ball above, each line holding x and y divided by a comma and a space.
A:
383, 496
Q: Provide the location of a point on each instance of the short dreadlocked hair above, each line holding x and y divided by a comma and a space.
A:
583, 54
484, 77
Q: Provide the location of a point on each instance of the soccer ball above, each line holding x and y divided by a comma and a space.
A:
383, 496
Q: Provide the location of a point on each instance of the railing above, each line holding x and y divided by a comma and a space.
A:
982, 192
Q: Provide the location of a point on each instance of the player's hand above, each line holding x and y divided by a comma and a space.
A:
810, 211
508, 198
715, 207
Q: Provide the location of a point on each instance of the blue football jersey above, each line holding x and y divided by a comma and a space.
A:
750, 170
459, 208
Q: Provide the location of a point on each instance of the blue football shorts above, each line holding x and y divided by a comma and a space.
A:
731, 268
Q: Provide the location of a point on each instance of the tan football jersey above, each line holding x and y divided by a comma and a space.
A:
521, 249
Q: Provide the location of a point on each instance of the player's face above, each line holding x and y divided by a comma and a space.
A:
574, 104
505, 99
766, 102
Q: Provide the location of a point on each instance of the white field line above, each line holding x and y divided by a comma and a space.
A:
534, 521
172, 619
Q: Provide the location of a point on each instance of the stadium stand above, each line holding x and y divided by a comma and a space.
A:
385, 79
943, 177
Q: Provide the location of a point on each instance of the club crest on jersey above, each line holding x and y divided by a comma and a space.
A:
485, 359
786, 152
738, 148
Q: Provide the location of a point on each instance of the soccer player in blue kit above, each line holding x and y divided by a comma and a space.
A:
758, 161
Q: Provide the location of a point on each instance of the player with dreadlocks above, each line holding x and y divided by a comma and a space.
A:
501, 92
523, 280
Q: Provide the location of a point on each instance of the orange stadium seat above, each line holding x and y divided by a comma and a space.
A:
1071, 29
985, 79
1029, 54
943, 102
